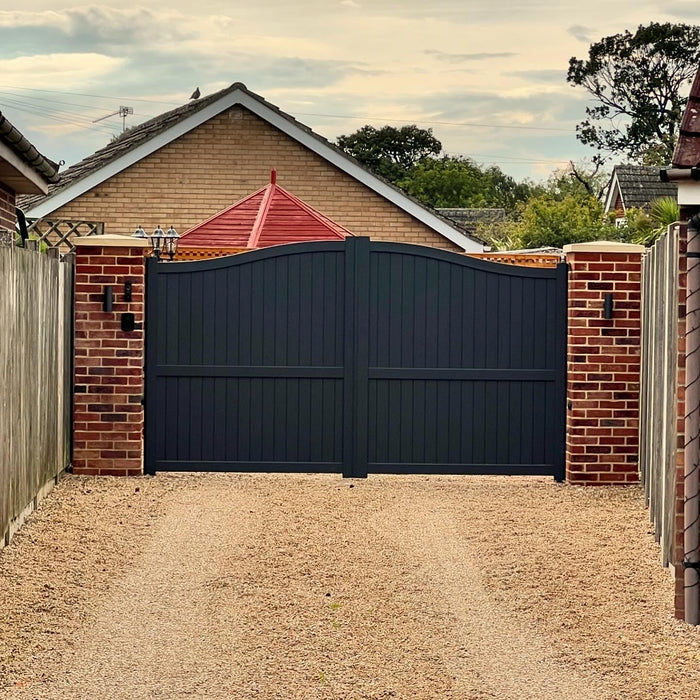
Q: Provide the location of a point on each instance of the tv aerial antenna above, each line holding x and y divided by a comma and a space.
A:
123, 112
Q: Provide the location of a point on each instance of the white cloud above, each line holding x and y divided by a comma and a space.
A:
69, 71
452, 60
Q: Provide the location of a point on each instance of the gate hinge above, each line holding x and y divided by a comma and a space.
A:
692, 565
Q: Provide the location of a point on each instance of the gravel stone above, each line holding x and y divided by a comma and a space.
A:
316, 588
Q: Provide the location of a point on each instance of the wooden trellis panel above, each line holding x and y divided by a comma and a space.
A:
521, 259
61, 233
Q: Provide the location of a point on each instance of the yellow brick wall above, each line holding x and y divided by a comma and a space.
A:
226, 159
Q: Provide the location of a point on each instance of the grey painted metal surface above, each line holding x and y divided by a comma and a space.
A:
355, 357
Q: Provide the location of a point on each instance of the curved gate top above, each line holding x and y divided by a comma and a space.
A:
356, 357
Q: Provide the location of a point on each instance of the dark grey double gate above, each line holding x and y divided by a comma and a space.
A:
355, 357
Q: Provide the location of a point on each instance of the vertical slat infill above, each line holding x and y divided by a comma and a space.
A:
151, 381
349, 362
362, 295
558, 441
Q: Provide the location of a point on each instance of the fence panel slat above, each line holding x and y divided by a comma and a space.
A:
658, 386
35, 378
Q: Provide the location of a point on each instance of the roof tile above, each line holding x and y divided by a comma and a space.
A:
641, 184
269, 216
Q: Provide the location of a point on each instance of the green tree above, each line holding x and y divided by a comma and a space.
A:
389, 151
459, 182
546, 221
644, 227
638, 82
567, 209
563, 212
578, 180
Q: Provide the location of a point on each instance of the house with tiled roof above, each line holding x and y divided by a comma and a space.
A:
635, 187
469, 218
23, 170
184, 166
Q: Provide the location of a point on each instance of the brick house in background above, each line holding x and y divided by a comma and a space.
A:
23, 170
186, 165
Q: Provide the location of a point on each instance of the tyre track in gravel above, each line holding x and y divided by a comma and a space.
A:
309, 587
334, 607
510, 656
168, 627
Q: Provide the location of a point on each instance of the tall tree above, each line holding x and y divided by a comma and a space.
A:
638, 82
567, 209
389, 151
578, 179
459, 182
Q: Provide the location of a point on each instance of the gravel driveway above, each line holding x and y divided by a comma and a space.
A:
311, 587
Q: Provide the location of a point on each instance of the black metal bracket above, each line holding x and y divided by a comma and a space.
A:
608, 306
692, 565
107, 298
129, 323
692, 255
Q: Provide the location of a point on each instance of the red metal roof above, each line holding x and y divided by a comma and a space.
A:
270, 216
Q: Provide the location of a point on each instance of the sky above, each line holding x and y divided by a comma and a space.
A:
489, 78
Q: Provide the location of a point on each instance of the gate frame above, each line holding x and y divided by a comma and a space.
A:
357, 252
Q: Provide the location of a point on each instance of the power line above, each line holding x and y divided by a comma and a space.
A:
426, 121
20, 96
87, 94
522, 127
510, 159
61, 120
42, 110
23, 102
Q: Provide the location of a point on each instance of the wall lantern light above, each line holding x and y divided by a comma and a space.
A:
162, 242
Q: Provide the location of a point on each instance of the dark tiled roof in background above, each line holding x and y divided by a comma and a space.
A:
641, 184
13, 139
468, 219
687, 151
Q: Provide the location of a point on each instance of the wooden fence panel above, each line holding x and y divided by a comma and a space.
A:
659, 386
35, 377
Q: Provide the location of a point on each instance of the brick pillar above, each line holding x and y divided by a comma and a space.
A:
108, 415
602, 442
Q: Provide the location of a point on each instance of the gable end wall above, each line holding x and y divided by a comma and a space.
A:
224, 160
